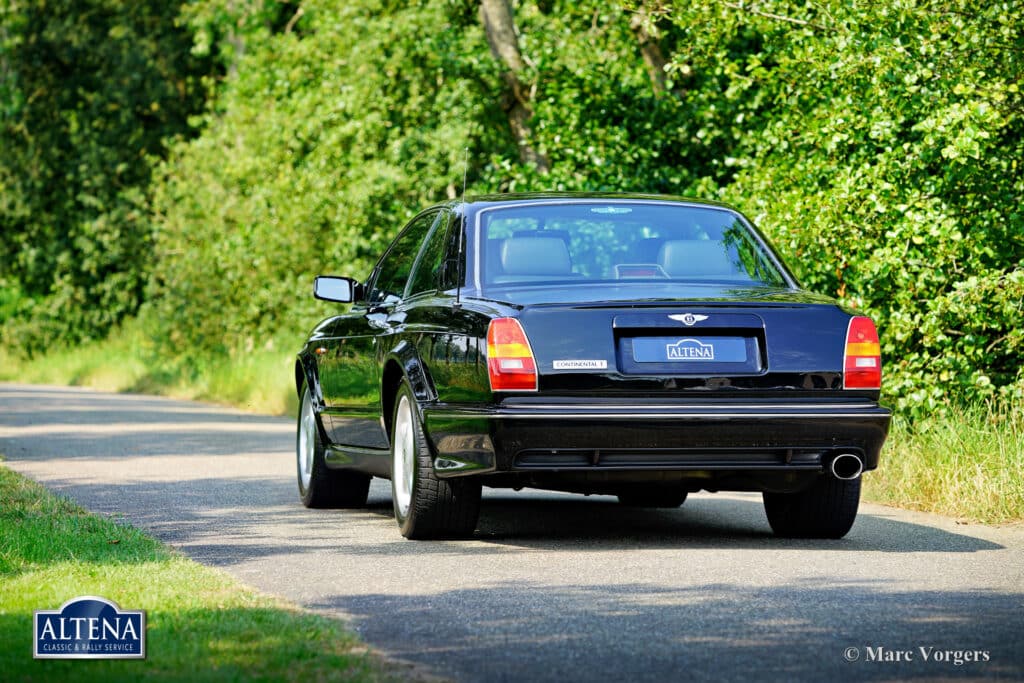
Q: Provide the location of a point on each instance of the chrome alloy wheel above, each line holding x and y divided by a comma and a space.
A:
403, 457
307, 441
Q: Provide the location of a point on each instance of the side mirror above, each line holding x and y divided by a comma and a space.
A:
342, 290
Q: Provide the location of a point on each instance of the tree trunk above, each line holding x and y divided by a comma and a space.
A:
654, 58
499, 24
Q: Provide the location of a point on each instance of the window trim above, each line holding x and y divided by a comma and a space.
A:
438, 224
371, 282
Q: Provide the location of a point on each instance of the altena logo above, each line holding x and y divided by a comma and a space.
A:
690, 349
89, 627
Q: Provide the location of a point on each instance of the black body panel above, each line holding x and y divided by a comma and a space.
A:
769, 419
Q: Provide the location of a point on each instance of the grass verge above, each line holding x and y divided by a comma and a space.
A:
202, 626
967, 464
260, 380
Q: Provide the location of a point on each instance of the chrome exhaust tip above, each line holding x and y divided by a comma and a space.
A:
846, 466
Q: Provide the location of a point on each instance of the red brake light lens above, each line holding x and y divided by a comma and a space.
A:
862, 362
510, 362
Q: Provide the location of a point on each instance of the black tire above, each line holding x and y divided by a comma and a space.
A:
326, 488
653, 498
825, 510
437, 508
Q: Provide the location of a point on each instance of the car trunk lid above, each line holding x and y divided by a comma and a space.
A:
720, 344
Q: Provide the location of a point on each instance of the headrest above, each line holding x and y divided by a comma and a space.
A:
695, 258
536, 256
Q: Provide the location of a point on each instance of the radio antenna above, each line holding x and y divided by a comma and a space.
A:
460, 269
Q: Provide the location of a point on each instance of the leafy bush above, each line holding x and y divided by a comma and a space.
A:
877, 144
330, 135
88, 93
884, 162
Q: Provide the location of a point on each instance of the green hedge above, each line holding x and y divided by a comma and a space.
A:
878, 145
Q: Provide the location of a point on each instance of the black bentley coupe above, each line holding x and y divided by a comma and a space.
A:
639, 346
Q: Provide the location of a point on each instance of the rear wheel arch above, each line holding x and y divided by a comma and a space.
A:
391, 380
403, 364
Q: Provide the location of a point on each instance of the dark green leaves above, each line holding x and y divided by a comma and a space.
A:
89, 92
879, 145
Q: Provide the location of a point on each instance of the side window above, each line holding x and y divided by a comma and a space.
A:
394, 269
454, 269
428, 268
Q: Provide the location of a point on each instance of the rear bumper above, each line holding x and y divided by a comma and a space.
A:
535, 435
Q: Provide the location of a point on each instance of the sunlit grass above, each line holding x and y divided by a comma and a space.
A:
108, 365
202, 626
968, 463
259, 380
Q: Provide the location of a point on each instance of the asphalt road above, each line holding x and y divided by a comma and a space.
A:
554, 587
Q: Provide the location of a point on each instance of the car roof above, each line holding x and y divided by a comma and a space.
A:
474, 202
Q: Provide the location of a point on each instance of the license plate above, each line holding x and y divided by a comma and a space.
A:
689, 350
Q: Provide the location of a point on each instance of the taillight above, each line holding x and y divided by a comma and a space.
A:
862, 362
510, 362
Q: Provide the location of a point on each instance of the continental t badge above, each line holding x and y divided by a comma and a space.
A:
688, 319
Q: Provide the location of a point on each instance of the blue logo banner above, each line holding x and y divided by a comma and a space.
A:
90, 627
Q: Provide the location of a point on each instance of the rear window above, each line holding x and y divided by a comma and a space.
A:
614, 241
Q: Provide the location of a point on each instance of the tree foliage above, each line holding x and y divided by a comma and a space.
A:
326, 139
878, 144
331, 135
89, 92
882, 151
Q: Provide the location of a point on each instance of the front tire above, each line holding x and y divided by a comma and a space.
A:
825, 510
425, 506
320, 486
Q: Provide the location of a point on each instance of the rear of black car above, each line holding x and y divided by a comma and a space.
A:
767, 406
647, 351
644, 347
609, 399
